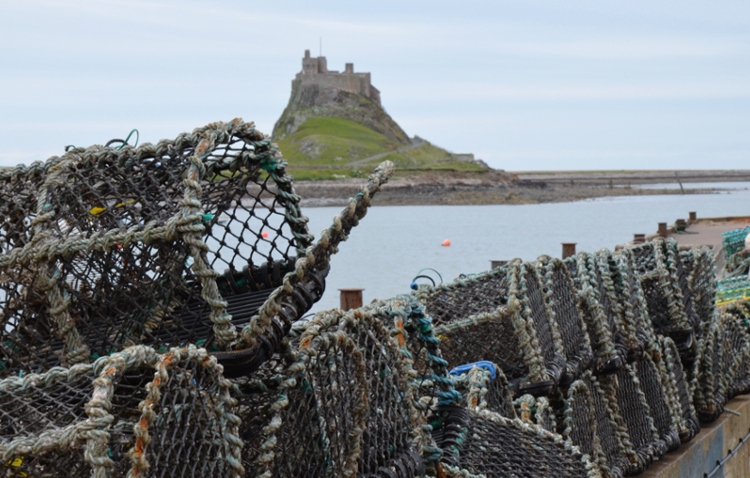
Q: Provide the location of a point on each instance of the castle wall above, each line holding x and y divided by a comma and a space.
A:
315, 72
357, 83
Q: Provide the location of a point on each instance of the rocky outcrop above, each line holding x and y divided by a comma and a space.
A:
311, 100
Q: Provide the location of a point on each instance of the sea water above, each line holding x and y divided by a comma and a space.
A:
393, 243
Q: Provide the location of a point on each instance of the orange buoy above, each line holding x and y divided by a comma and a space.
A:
446, 243
265, 234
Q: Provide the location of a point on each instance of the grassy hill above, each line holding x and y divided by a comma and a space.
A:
336, 134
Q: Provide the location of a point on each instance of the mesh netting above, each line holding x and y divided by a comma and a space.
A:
665, 288
482, 391
348, 404
104, 248
598, 314
610, 430
722, 370
495, 446
511, 328
132, 412
682, 390
659, 402
642, 437
580, 423
565, 309
701, 270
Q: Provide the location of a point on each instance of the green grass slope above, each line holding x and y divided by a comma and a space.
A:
327, 147
326, 133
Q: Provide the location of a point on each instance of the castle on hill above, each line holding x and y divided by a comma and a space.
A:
315, 72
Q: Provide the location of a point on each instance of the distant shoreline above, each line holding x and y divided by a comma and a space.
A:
532, 187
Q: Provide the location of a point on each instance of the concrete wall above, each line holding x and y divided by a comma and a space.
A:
701, 455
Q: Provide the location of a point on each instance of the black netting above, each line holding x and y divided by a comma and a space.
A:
43, 405
497, 447
368, 401
124, 249
325, 406
608, 424
689, 426
665, 288
701, 269
566, 312
598, 314
546, 335
189, 436
69, 464
464, 298
580, 420
658, 402
511, 328
634, 409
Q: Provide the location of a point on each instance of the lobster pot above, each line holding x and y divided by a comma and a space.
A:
660, 400
38, 406
580, 423
610, 430
565, 310
688, 425
738, 342
599, 314
498, 316
665, 287
496, 447
354, 376
640, 436
627, 285
310, 432
536, 411
700, 267
722, 371
136, 403
167, 245
480, 390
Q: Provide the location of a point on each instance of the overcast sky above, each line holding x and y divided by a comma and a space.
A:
523, 85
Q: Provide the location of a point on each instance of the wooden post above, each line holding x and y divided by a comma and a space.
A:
351, 299
498, 264
568, 249
663, 229
639, 238
693, 217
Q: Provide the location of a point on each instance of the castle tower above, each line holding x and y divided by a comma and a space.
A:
315, 72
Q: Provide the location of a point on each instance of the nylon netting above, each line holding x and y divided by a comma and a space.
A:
151, 298
580, 423
665, 287
599, 319
701, 269
481, 391
132, 412
565, 310
610, 430
511, 330
169, 244
495, 446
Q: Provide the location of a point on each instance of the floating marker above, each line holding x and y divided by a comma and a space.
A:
265, 234
446, 243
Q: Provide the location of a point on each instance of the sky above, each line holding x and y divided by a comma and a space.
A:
532, 85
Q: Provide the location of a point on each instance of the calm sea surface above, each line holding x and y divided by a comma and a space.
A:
392, 243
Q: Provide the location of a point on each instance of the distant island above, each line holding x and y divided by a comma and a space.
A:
335, 131
335, 127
